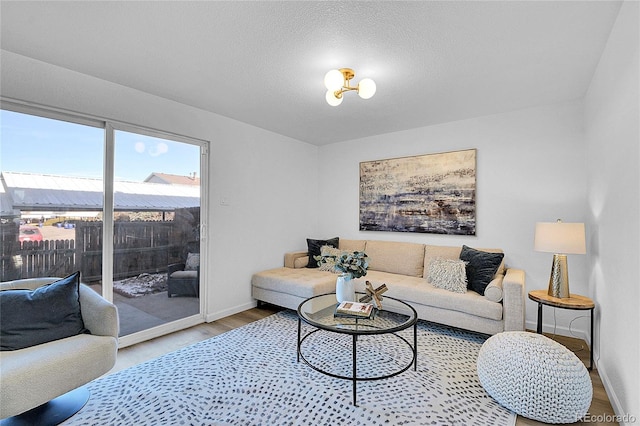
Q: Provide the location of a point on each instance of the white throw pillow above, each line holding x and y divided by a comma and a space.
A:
448, 274
193, 261
493, 291
327, 260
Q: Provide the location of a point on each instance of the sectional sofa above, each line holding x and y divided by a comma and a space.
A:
405, 269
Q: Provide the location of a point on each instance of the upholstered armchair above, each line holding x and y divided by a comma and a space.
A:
183, 279
45, 381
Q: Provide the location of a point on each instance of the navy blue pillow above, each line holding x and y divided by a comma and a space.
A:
481, 267
32, 317
314, 246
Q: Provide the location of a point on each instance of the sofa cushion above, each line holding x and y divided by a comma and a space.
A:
442, 252
32, 317
302, 282
314, 246
448, 274
396, 257
453, 252
419, 291
481, 267
185, 274
352, 245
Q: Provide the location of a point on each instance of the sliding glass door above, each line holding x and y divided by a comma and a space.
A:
119, 203
156, 230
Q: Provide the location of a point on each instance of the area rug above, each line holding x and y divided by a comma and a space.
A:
141, 285
250, 376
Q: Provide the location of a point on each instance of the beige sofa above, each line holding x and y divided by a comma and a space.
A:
403, 267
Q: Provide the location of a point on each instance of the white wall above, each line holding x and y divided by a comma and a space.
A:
255, 170
613, 137
531, 167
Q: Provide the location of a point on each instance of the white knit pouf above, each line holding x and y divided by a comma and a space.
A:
535, 377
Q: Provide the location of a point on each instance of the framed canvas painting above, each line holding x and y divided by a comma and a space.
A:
432, 193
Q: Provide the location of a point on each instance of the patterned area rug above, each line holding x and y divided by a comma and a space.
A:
249, 376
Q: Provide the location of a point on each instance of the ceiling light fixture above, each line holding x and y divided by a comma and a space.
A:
337, 82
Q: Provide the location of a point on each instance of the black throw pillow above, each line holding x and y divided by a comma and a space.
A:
481, 267
32, 317
314, 246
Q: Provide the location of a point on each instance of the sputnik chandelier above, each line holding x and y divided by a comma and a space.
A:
337, 82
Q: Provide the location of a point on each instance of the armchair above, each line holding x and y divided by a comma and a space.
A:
45, 381
184, 278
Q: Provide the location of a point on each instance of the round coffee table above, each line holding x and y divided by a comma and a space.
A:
396, 315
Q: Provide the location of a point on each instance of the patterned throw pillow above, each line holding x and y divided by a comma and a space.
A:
193, 261
448, 274
327, 259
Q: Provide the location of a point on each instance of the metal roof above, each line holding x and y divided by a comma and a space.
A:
173, 179
28, 191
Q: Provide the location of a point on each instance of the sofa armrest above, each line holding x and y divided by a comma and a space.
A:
99, 315
175, 267
290, 259
513, 301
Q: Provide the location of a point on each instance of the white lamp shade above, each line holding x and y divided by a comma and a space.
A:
331, 98
333, 80
366, 88
560, 238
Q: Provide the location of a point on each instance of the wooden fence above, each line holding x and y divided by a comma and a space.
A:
138, 247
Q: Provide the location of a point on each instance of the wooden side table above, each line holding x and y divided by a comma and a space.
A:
575, 302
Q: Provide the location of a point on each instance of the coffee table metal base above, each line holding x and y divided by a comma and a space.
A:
354, 376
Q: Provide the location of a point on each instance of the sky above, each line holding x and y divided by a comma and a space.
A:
40, 145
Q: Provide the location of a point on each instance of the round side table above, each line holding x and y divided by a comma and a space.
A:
574, 301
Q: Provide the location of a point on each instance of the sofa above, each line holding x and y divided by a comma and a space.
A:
34, 375
405, 268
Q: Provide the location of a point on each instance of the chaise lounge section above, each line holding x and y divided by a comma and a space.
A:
404, 267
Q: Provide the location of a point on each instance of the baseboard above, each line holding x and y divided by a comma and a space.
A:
561, 330
231, 311
623, 417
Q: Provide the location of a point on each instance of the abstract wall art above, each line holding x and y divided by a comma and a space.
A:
433, 193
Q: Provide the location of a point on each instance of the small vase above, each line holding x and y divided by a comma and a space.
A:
345, 291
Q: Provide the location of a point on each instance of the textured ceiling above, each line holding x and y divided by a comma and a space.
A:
263, 62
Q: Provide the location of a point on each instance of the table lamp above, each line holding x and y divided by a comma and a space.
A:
560, 239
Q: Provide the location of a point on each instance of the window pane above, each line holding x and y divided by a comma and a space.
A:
50, 198
156, 230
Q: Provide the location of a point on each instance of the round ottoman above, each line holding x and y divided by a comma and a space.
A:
535, 377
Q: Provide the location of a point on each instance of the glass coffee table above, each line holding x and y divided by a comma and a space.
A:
396, 315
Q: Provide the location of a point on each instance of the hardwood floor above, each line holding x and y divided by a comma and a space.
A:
600, 405
132, 355
141, 352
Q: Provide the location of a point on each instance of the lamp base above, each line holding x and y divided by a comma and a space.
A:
559, 279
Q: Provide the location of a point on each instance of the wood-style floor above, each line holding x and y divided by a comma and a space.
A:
132, 355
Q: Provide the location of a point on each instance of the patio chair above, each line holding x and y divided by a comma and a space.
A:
183, 279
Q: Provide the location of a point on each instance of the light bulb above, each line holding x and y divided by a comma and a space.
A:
333, 80
331, 98
366, 88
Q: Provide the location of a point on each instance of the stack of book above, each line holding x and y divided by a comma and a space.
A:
354, 310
